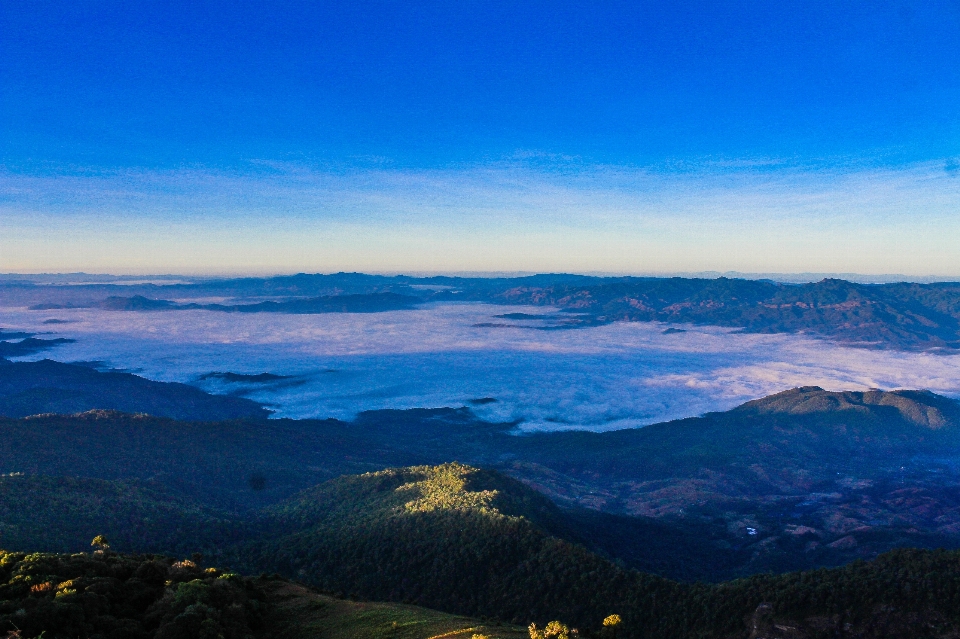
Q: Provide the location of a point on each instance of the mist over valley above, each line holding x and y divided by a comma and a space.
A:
546, 368
499, 320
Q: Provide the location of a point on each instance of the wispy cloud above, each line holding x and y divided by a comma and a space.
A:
518, 215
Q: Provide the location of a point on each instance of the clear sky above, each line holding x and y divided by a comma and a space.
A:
635, 137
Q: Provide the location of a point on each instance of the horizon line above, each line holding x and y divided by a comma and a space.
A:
777, 276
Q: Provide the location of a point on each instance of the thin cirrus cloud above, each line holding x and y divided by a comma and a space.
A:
518, 215
616, 376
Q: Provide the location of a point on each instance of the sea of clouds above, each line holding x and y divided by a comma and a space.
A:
616, 376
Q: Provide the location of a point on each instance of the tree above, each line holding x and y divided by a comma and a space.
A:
257, 482
100, 542
553, 630
610, 625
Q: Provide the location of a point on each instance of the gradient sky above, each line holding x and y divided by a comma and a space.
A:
636, 137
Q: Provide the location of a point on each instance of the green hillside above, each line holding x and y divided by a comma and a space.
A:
61, 514
820, 478
471, 543
449, 537
457, 539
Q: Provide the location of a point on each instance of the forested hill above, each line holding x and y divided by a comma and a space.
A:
456, 538
803, 478
472, 542
32, 388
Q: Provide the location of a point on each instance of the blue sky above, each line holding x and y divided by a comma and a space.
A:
415, 136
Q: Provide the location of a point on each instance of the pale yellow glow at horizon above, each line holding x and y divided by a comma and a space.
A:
501, 220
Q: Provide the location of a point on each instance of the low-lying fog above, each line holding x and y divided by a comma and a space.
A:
615, 376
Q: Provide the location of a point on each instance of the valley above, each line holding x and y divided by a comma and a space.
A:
900, 316
479, 320
756, 517
801, 479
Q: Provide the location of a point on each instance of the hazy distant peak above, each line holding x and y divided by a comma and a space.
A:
919, 407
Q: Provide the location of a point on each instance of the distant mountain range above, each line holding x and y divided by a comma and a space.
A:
691, 528
362, 303
908, 316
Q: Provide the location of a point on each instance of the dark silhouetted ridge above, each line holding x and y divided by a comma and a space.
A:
30, 388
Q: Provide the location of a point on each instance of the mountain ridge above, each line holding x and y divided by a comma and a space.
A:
921, 407
47, 386
379, 535
816, 488
904, 315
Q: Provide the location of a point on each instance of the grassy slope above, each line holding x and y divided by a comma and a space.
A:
300, 613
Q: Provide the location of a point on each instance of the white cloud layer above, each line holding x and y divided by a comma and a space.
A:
616, 376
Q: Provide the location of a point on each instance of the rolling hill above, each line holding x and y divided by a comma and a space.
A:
473, 542
463, 540
801, 479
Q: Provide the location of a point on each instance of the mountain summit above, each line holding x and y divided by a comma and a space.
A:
922, 408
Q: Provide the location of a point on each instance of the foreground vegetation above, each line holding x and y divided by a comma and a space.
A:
122, 596
479, 546
103, 594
